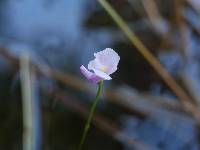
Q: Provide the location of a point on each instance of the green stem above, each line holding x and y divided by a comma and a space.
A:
91, 113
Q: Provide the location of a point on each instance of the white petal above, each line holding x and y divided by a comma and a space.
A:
102, 75
108, 58
94, 64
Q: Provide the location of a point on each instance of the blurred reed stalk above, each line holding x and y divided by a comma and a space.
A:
154, 16
30, 106
167, 78
152, 11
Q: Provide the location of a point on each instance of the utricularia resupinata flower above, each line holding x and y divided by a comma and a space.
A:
99, 69
104, 64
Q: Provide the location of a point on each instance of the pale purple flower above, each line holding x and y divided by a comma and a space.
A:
104, 64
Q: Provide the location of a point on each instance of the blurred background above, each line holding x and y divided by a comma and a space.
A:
137, 109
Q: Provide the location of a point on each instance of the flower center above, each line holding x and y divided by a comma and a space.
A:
104, 68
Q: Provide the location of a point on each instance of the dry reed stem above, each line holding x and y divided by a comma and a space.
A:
179, 92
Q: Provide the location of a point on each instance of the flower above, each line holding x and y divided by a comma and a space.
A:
104, 64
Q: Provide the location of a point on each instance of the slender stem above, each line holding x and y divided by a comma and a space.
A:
26, 102
91, 113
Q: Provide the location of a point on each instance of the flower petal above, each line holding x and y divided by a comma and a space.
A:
108, 58
85, 72
102, 75
90, 75
94, 64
